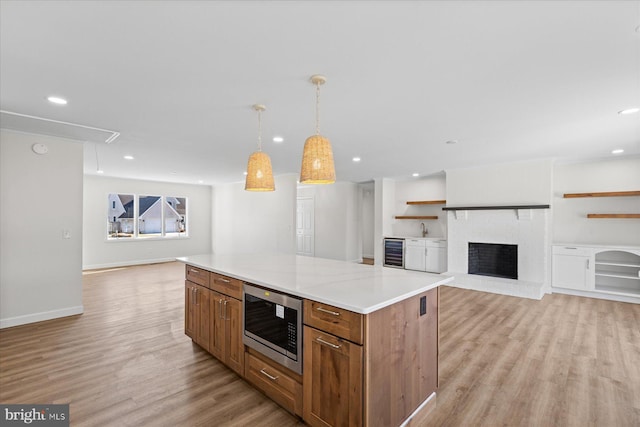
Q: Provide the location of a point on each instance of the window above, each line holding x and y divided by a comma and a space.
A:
146, 216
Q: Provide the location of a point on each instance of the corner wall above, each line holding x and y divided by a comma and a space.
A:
40, 229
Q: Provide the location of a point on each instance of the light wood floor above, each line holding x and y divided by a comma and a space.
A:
506, 361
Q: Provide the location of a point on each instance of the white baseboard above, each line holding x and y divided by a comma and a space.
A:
596, 294
126, 263
39, 317
496, 285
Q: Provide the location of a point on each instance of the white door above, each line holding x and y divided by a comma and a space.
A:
304, 226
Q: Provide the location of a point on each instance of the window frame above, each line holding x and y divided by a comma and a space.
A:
136, 236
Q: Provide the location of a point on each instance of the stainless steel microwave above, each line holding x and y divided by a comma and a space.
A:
272, 325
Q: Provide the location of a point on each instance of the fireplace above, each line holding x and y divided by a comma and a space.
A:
493, 259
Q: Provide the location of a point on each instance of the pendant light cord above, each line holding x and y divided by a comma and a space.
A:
259, 131
318, 108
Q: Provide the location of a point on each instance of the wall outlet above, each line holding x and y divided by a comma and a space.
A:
66, 234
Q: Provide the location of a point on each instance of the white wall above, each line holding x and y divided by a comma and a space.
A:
253, 222
385, 196
521, 183
336, 219
570, 222
98, 252
367, 218
41, 200
428, 188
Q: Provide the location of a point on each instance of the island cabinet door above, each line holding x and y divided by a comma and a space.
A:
332, 380
217, 325
234, 348
203, 324
190, 312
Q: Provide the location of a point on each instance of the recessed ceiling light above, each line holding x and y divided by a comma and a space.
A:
278, 139
100, 171
617, 151
200, 182
57, 100
128, 157
452, 141
415, 174
629, 110
245, 173
356, 159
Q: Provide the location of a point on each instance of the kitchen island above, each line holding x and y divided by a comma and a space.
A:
370, 341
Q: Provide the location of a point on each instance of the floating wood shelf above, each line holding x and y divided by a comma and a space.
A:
427, 202
492, 208
636, 216
604, 194
417, 217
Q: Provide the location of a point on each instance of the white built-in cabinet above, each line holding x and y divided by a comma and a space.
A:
436, 256
599, 269
426, 255
414, 254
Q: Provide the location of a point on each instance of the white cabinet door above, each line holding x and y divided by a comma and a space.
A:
436, 259
571, 271
414, 258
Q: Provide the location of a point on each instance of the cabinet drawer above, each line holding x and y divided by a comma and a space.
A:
272, 379
343, 323
571, 250
197, 275
226, 285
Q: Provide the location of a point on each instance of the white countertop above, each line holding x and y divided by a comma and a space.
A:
356, 287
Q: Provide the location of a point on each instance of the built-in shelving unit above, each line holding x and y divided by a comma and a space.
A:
427, 202
422, 202
617, 272
416, 216
607, 194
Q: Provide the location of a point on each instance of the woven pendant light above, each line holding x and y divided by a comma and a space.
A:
317, 157
259, 173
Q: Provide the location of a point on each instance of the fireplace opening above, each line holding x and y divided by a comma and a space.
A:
493, 259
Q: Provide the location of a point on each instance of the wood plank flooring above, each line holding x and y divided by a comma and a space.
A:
562, 361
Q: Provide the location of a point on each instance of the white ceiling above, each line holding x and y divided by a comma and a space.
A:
509, 80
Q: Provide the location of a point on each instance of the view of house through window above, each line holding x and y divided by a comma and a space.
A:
130, 216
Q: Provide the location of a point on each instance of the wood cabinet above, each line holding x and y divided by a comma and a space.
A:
279, 383
197, 319
369, 370
358, 369
332, 380
226, 331
213, 317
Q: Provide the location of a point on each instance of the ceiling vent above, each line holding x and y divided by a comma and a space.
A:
42, 126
